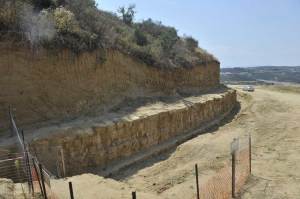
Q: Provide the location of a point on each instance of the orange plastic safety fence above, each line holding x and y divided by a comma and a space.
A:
219, 186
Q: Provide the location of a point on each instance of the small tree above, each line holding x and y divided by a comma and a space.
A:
127, 14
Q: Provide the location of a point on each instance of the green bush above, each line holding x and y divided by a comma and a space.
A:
141, 38
65, 21
10, 14
42, 4
80, 26
191, 43
156, 29
168, 39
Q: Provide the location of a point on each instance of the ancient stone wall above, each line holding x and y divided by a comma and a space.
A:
101, 143
44, 85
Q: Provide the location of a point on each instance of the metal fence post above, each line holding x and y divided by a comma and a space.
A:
134, 195
71, 190
27, 163
10, 120
29, 171
250, 154
43, 181
38, 178
197, 181
233, 174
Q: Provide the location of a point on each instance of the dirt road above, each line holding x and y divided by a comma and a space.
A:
276, 166
271, 115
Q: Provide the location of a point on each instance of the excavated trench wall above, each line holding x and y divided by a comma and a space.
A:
96, 146
45, 85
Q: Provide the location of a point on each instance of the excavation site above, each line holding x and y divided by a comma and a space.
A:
100, 104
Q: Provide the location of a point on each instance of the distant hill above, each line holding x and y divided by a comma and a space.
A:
261, 73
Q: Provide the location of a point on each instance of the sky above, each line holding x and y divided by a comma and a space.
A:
239, 33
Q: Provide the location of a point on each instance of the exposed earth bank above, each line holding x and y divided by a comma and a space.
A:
51, 86
270, 114
93, 144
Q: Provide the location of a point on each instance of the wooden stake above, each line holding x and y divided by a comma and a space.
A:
197, 181
134, 195
71, 190
233, 175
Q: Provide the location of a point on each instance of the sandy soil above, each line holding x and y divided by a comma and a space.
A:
276, 168
271, 115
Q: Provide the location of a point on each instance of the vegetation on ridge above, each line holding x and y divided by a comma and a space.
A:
80, 26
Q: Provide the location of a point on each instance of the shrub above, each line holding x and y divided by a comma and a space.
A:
65, 21
166, 35
80, 26
145, 55
42, 4
37, 26
59, 3
191, 43
10, 12
168, 39
156, 29
141, 38
7, 15
85, 12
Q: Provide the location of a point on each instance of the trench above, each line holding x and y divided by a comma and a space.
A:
105, 146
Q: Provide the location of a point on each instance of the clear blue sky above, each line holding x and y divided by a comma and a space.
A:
237, 32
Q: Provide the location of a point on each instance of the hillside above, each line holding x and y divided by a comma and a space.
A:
80, 26
263, 73
64, 59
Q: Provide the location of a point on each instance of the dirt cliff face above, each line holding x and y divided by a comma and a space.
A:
42, 85
92, 146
